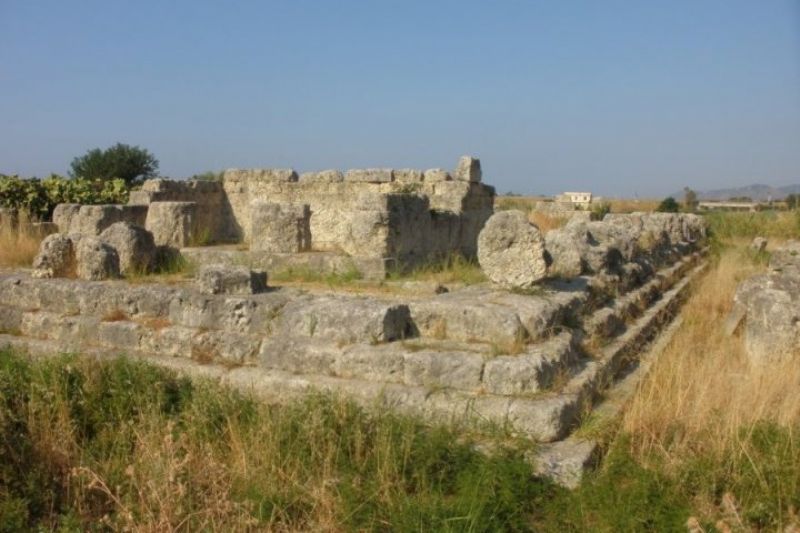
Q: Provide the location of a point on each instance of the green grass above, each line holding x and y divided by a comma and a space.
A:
119, 444
309, 275
775, 224
454, 268
115, 444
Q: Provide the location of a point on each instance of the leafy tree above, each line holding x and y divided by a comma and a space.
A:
668, 205
128, 163
792, 201
689, 199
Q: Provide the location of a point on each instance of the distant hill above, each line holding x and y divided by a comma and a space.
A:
757, 192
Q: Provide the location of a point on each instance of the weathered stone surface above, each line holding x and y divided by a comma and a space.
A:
786, 258
461, 317
408, 175
227, 279
758, 244
565, 462
468, 169
772, 304
433, 175
369, 175
280, 228
459, 370
511, 250
172, 223
266, 175
323, 176
64, 215
344, 319
564, 250
134, 245
91, 220
96, 260
56, 257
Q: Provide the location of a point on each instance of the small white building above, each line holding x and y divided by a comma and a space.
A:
579, 199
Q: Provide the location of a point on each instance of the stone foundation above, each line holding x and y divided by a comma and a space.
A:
532, 362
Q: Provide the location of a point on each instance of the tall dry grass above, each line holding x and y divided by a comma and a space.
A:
19, 241
703, 394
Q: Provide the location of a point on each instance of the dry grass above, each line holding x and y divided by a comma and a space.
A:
117, 315
629, 205
703, 396
546, 222
18, 244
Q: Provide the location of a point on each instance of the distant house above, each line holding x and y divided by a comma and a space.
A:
578, 199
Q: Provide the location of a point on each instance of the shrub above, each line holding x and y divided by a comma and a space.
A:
668, 205
38, 197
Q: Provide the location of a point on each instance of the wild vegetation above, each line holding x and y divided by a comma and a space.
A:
707, 442
38, 197
19, 241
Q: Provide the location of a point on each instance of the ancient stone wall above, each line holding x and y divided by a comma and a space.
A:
407, 216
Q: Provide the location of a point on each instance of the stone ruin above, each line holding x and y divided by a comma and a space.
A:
370, 220
563, 321
767, 306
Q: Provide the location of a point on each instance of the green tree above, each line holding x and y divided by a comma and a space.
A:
792, 201
128, 163
689, 199
668, 205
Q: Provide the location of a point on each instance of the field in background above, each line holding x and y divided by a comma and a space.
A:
617, 205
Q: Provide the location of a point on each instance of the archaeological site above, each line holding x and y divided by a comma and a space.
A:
561, 321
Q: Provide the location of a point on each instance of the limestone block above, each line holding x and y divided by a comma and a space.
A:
280, 227
369, 175
513, 374
123, 335
56, 257
298, 355
64, 215
93, 219
370, 362
458, 370
134, 245
566, 461
268, 175
772, 303
96, 260
408, 175
436, 174
564, 250
786, 258
228, 279
323, 176
468, 169
344, 319
460, 317
172, 223
758, 244
511, 250
218, 345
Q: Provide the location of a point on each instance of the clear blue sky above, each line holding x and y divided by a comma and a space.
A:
621, 98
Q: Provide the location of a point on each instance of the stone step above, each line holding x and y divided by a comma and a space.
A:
610, 320
545, 417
